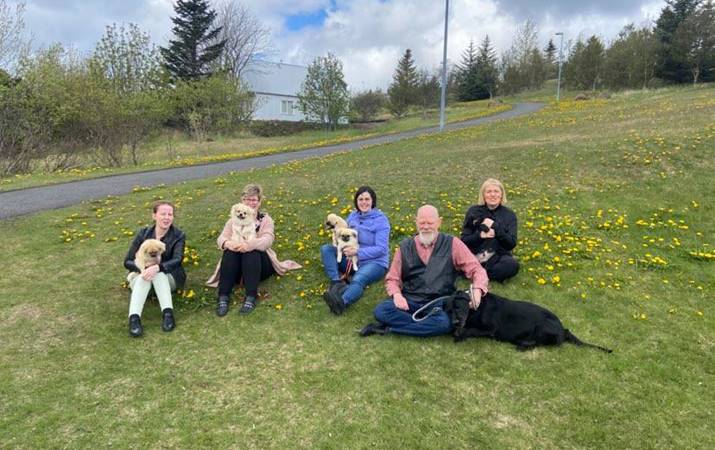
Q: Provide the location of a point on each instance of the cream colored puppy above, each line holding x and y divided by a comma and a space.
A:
334, 223
149, 254
348, 237
243, 223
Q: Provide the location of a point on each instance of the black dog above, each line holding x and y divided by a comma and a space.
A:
524, 324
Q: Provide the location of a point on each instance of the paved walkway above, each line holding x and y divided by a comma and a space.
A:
30, 200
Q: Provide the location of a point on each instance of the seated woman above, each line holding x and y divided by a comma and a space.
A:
251, 262
165, 277
373, 253
489, 231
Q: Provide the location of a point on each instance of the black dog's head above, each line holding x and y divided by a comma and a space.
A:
483, 227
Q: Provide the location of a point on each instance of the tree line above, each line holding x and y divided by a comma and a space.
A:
57, 106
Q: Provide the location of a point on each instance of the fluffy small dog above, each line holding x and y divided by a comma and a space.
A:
149, 254
243, 223
343, 237
333, 223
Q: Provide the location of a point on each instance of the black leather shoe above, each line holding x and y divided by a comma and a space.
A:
374, 328
334, 298
135, 326
248, 305
167, 322
222, 308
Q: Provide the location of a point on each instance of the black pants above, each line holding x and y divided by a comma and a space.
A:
501, 267
253, 267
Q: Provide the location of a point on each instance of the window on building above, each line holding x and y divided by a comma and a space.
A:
286, 107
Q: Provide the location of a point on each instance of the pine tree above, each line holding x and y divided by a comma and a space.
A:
468, 88
694, 43
550, 59
189, 55
488, 74
670, 65
402, 91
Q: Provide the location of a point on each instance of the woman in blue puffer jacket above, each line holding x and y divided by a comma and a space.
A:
373, 255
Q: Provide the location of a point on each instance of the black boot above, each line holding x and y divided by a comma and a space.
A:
167, 323
135, 326
222, 307
249, 305
334, 298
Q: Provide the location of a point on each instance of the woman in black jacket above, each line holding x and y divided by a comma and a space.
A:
165, 277
489, 231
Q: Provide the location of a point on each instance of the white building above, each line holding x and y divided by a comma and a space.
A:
276, 86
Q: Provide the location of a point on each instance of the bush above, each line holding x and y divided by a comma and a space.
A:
271, 128
364, 106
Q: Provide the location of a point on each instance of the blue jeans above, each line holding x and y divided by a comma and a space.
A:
400, 322
367, 274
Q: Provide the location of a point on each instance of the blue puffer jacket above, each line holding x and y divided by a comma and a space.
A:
373, 236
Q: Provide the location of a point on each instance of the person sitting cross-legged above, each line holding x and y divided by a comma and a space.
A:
424, 269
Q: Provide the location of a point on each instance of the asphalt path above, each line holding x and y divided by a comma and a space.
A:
27, 201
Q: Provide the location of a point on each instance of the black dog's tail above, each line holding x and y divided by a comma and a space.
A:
569, 337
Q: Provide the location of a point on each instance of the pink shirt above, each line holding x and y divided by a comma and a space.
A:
462, 258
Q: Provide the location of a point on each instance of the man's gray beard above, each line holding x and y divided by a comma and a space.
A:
426, 238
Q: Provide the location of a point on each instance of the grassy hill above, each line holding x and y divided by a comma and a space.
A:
614, 199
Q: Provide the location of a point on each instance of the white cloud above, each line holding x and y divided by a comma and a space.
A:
368, 35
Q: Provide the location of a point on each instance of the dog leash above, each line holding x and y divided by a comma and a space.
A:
435, 310
348, 269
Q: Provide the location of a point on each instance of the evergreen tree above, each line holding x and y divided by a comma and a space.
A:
670, 66
550, 59
468, 76
585, 64
488, 73
324, 93
694, 43
191, 52
402, 91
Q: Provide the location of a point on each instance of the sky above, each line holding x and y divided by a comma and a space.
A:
369, 36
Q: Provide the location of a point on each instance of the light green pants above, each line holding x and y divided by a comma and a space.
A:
163, 285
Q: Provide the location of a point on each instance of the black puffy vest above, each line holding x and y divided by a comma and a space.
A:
436, 279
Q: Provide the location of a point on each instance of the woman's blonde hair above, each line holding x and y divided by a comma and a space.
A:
251, 190
491, 182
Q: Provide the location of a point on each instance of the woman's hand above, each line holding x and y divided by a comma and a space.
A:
235, 246
150, 272
349, 251
487, 234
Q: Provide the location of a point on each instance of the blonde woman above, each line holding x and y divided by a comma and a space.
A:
489, 231
248, 262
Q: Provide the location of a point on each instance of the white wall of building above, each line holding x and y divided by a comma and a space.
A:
276, 86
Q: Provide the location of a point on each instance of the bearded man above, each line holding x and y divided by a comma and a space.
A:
425, 268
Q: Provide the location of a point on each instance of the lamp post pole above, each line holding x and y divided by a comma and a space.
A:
561, 58
443, 99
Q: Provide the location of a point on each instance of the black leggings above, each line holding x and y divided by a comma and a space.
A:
253, 267
501, 267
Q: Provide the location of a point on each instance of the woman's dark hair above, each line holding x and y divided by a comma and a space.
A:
369, 190
155, 206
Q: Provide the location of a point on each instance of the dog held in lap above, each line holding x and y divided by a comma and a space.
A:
243, 223
524, 324
343, 237
149, 254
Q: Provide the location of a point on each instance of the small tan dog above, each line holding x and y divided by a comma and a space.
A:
243, 223
343, 237
149, 254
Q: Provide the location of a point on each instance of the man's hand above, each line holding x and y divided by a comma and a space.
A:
349, 251
475, 297
400, 301
150, 272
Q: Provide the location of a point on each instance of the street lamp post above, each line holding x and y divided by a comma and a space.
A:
443, 99
561, 58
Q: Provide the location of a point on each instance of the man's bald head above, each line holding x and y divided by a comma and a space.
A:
428, 222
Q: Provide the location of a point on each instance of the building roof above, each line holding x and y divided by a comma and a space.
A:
274, 78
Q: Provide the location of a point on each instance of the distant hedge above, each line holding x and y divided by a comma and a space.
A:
270, 128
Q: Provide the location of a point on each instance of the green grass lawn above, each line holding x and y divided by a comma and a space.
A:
176, 149
614, 199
